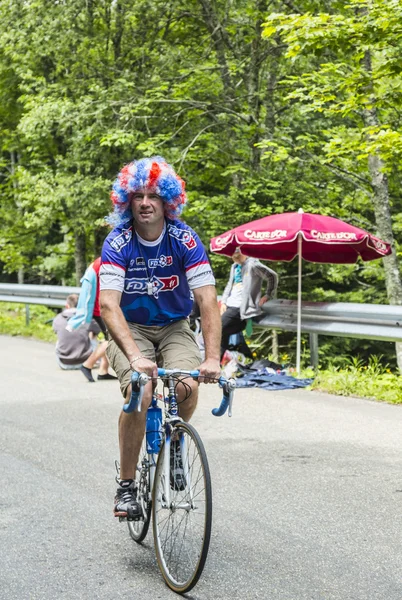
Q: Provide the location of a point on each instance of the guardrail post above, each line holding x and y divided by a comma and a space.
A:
314, 349
26, 314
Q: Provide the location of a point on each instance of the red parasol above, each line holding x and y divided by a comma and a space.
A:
316, 238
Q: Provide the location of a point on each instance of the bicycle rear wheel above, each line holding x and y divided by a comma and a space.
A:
182, 528
139, 529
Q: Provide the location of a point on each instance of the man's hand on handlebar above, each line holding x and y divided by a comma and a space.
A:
144, 365
210, 370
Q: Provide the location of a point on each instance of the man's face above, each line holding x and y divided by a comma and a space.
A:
237, 256
147, 207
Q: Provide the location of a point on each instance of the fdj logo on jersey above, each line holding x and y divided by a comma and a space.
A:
136, 286
122, 240
159, 284
183, 235
162, 261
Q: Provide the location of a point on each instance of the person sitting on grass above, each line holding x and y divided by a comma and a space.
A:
88, 309
77, 349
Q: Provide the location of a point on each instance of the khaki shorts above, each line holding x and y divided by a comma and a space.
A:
171, 346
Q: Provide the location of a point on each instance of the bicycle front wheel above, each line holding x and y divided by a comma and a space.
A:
139, 529
182, 510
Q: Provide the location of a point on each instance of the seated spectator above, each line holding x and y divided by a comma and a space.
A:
74, 349
88, 309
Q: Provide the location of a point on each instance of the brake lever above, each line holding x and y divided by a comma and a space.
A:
138, 382
228, 386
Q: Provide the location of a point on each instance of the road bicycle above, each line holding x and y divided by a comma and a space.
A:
179, 500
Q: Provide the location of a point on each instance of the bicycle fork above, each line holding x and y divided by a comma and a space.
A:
168, 499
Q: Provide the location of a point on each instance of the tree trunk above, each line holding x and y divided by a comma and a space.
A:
254, 84
218, 37
382, 213
99, 237
80, 256
384, 227
270, 117
14, 160
119, 28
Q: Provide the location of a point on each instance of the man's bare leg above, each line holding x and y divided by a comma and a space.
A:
104, 365
98, 353
88, 365
186, 405
131, 434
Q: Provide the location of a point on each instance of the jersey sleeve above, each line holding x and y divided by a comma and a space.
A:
113, 268
198, 269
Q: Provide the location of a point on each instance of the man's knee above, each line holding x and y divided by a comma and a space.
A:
187, 393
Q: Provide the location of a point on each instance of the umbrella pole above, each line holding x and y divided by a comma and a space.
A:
299, 295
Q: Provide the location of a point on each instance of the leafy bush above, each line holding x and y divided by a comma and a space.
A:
13, 321
374, 380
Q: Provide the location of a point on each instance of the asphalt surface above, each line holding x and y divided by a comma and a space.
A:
307, 492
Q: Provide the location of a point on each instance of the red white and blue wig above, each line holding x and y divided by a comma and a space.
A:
152, 174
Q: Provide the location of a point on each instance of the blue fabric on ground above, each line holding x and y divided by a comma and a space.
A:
268, 381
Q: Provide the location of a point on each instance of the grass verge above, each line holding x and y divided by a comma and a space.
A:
373, 381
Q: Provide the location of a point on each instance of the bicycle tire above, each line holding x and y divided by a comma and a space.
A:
139, 529
182, 535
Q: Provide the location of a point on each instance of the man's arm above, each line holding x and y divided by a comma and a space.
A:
211, 329
56, 323
120, 332
268, 275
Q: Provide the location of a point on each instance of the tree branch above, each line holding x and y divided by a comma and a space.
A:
184, 154
292, 7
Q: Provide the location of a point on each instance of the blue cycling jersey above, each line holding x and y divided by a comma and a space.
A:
155, 278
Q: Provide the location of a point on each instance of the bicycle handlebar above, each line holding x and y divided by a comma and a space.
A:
139, 380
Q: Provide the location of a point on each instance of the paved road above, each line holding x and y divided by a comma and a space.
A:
307, 493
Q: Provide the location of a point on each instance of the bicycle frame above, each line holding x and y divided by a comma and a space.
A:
171, 417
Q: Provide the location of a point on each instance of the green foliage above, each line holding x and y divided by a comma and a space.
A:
13, 321
356, 52
373, 380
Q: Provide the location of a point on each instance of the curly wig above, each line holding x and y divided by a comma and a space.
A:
152, 174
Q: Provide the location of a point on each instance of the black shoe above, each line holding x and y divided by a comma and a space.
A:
177, 478
125, 502
107, 376
88, 373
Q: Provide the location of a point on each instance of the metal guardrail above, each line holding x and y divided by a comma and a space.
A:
343, 319
36, 292
47, 295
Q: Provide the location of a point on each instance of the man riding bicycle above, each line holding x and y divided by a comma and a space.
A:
153, 265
